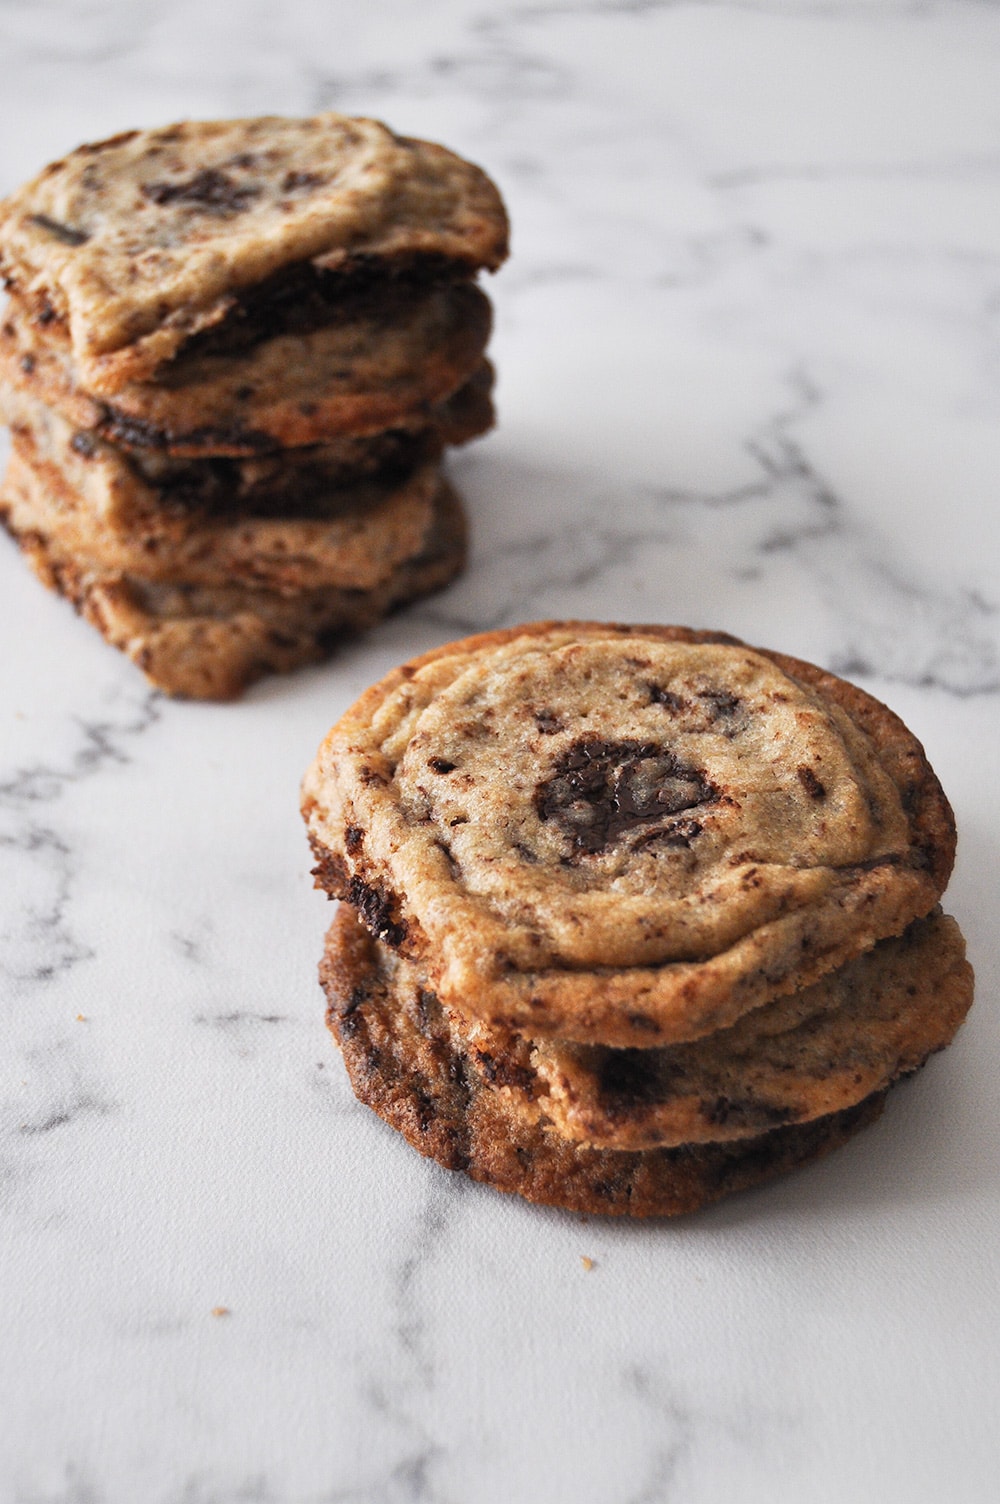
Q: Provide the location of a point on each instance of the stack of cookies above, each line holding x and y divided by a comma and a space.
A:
232, 356
633, 916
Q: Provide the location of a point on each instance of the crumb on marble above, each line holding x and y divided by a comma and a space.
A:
221, 1311
588, 1264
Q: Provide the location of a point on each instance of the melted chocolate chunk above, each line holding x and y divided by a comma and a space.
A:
375, 907
292, 484
632, 1078
458, 1077
665, 697
330, 871
720, 704
746, 1112
428, 1009
292, 182
211, 190
67, 234
347, 1022
302, 297
548, 722
680, 835
425, 1107
601, 791
137, 433
441, 765
811, 783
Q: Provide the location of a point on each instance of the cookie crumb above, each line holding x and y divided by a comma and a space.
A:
81, 1018
588, 1264
221, 1311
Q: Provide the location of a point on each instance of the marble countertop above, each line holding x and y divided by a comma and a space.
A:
749, 345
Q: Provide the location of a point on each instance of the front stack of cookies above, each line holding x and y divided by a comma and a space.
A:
232, 356
632, 917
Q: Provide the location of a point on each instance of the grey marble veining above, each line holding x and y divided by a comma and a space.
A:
749, 379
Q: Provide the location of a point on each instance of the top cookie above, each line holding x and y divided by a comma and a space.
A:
141, 241
624, 835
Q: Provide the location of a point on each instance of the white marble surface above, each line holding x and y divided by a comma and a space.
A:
749, 343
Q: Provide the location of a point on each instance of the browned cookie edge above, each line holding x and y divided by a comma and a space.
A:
442, 1108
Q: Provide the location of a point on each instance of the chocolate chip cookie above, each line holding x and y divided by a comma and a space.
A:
625, 835
209, 642
372, 370
369, 529
421, 1077
232, 357
634, 907
135, 245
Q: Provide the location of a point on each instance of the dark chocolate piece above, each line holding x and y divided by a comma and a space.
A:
209, 189
601, 791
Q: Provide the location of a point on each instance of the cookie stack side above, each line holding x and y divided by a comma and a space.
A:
232, 356
633, 916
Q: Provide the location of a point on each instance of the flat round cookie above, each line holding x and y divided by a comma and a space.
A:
372, 530
123, 485
854, 1032
622, 835
209, 642
817, 1052
421, 1081
370, 370
136, 244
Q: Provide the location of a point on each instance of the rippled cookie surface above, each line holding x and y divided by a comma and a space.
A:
625, 834
135, 245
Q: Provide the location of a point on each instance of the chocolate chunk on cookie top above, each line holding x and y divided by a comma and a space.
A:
625, 835
138, 243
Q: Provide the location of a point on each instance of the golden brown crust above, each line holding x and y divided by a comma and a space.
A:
583, 940
425, 1086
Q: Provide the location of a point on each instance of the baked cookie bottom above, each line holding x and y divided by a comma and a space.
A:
425, 1082
211, 642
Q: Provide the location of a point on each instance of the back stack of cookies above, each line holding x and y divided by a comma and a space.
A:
232, 357
632, 917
